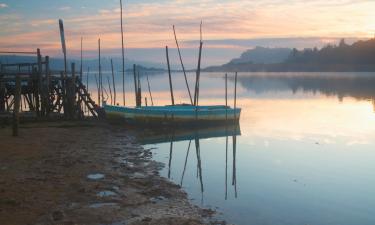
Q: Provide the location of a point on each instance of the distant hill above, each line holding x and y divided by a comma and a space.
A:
360, 56
263, 55
58, 63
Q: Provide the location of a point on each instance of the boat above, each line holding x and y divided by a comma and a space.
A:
175, 114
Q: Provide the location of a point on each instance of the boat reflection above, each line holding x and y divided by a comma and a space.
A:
195, 135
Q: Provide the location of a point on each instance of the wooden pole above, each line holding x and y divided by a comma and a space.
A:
226, 98
110, 90
139, 88
40, 84
135, 85
16, 109
197, 79
63, 45
73, 71
149, 91
182, 65
100, 78
48, 86
235, 96
123, 56
81, 69
97, 87
63, 94
87, 89
72, 92
169, 74
113, 84
196, 93
226, 164
87, 79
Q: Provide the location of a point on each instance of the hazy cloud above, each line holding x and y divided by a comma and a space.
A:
65, 8
3, 5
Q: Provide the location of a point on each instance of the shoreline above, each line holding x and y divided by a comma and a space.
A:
87, 173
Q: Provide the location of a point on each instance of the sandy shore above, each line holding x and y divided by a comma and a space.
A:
86, 173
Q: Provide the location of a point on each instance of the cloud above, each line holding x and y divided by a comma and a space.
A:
234, 24
3, 5
65, 8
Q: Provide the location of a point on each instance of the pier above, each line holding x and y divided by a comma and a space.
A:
43, 93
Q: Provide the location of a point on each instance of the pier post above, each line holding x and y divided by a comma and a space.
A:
16, 109
40, 84
63, 93
47, 89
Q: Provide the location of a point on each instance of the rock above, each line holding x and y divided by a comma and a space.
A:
57, 216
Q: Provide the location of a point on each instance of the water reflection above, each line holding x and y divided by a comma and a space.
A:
304, 154
190, 135
359, 86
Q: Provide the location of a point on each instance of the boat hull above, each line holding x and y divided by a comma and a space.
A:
178, 114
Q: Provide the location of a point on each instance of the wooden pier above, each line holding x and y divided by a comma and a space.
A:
43, 93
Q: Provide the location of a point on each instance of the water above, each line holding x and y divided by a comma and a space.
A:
304, 151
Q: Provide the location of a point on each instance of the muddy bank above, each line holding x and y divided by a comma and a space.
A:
86, 173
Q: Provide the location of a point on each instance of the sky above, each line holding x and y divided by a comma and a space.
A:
229, 27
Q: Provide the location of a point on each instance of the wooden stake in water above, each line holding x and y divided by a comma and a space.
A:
139, 89
226, 98
149, 91
110, 90
169, 74
87, 79
100, 78
97, 87
81, 69
135, 84
87, 88
196, 93
182, 65
123, 56
113, 84
235, 96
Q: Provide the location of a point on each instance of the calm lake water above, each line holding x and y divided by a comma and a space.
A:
304, 152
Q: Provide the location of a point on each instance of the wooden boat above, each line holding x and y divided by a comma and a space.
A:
175, 114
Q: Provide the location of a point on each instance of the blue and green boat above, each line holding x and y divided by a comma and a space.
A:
175, 114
